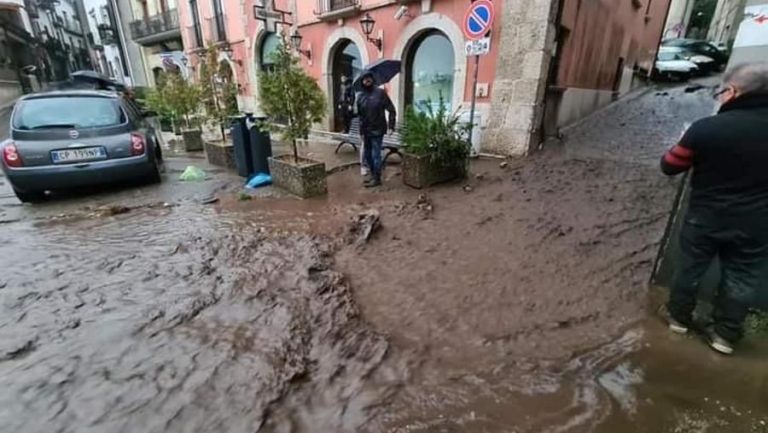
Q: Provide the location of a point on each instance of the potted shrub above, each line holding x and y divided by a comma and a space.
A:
219, 99
435, 146
176, 99
288, 93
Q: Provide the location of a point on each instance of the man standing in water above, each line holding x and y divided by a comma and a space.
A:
372, 105
728, 212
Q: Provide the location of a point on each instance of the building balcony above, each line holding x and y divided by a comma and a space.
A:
157, 28
334, 9
217, 29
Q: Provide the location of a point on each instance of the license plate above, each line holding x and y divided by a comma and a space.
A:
76, 155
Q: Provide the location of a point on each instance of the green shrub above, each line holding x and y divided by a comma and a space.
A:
289, 94
437, 134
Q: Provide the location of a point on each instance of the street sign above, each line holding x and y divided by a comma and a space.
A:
479, 47
478, 20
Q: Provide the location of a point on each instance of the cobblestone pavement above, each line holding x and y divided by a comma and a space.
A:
639, 128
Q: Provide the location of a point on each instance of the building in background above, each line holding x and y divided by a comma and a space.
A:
678, 19
16, 55
331, 41
107, 41
154, 27
751, 42
725, 22
604, 50
61, 30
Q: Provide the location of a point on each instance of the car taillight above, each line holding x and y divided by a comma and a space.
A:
11, 156
138, 144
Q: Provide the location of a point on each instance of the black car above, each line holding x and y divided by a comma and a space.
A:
700, 47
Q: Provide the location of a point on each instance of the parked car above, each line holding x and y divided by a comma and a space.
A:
73, 138
672, 65
703, 48
722, 46
704, 64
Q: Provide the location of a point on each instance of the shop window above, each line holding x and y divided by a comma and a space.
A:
430, 72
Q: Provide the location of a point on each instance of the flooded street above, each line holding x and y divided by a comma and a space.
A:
515, 302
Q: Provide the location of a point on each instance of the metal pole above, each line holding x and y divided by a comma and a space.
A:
474, 97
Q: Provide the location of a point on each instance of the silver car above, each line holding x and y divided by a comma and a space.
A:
74, 138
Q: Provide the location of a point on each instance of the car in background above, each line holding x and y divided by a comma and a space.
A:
75, 138
702, 48
722, 46
672, 65
705, 64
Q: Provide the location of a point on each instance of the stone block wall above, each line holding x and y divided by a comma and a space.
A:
517, 105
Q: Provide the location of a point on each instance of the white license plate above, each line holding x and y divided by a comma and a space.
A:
75, 155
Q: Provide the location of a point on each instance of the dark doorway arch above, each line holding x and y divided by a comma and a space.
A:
429, 71
347, 63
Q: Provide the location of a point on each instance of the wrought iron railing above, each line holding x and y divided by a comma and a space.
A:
157, 24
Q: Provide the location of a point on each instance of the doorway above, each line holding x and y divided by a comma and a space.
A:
347, 63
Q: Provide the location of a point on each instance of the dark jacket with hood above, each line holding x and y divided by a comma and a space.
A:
372, 105
729, 156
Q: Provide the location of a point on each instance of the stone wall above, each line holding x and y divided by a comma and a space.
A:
517, 104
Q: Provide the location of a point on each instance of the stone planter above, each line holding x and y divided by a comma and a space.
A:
420, 172
305, 179
221, 154
193, 140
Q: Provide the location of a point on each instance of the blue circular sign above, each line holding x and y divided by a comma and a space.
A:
478, 19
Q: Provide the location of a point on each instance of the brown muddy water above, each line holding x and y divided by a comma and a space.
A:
523, 312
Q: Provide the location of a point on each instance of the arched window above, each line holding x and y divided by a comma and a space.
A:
430, 69
268, 46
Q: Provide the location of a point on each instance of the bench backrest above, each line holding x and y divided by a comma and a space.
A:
389, 140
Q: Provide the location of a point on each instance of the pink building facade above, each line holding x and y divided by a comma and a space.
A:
531, 50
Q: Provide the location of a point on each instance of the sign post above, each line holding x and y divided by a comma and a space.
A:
478, 21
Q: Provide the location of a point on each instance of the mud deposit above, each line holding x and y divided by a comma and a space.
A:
200, 324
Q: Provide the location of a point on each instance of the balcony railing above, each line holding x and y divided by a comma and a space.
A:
333, 9
156, 28
217, 28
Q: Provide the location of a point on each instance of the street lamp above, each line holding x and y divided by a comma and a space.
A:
368, 23
296, 43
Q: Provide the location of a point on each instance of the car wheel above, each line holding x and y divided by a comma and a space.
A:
154, 176
29, 196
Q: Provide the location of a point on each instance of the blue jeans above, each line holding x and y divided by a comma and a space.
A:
372, 154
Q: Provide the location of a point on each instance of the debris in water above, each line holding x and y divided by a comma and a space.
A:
503, 164
693, 88
467, 188
192, 174
363, 226
209, 200
244, 196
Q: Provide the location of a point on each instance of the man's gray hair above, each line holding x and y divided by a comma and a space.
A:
748, 78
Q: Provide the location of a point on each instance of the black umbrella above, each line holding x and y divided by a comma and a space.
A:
382, 71
98, 80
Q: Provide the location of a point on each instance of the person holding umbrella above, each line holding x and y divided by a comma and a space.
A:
377, 117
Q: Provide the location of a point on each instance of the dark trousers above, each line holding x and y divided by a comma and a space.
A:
372, 154
743, 252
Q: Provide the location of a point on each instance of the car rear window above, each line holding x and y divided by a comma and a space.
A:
68, 112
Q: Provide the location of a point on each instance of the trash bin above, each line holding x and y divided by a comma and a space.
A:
241, 141
261, 146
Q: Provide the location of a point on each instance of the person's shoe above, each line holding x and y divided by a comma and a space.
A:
674, 325
718, 343
373, 183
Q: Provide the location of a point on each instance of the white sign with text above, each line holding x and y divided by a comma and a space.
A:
479, 47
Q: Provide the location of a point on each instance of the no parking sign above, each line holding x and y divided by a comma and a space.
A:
478, 20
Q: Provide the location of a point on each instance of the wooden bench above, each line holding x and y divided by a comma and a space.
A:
391, 143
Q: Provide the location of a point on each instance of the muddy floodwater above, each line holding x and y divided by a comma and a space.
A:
260, 316
515, 302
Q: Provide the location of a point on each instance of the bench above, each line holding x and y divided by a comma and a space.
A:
391, 143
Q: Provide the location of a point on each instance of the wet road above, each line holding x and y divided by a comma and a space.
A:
143, 310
